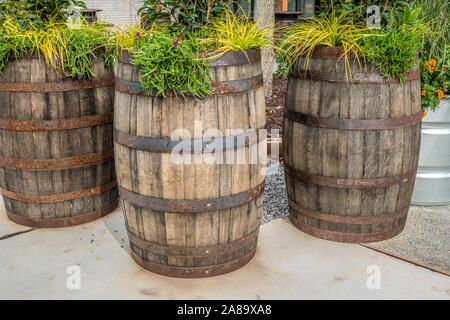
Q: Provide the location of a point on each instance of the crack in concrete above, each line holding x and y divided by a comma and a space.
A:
16, 234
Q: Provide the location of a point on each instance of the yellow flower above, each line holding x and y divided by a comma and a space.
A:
424, 92
440, 94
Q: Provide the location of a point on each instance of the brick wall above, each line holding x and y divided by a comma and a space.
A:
116, 11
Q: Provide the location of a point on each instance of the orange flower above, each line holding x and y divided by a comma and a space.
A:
424, 92
432, 62
445, 68
424, 114
440, 94
445, 86
430, 69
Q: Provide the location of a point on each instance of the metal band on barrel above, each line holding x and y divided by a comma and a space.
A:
198, 252
218, 88
56, 164
352, 124
191, 206
158, 145
194, 272
345, 236
55, 198
359, 220
56, 125
63, 222
363, 78
343, 183
70, 85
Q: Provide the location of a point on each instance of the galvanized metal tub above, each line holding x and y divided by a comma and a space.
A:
432, 185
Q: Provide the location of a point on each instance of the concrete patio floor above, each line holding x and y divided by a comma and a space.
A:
289, 265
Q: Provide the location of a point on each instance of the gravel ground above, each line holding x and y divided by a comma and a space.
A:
426, 238
275, 197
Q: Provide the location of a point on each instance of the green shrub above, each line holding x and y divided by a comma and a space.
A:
394, 52
169, 63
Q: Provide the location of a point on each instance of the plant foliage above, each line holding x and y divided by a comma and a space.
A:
435, 59
173, 62
38, 12
330, 31
233, 33
188, 14
68, 49
169, 64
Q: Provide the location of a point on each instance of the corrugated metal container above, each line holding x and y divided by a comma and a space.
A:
433, 178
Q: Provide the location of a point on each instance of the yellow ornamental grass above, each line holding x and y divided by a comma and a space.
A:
233, 33
329, 31
67, 48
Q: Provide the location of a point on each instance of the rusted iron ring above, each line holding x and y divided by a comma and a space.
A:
194, 272
347, 237
56, 125
362, 78
55, 198
343, 183
218, 88
63, 222
70, 85
191, 206
353, 124
191, 252
195, 146
358, 220
56, 164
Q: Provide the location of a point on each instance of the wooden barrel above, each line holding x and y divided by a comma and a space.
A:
200, 219
350, 149
56, 144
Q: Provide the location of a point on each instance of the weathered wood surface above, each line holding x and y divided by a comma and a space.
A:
180, 242
56, 169
329, 209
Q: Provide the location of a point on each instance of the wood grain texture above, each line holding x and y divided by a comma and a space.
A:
174, 235
350, 154
56, 144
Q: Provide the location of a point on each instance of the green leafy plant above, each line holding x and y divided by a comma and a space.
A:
38, 12
356, 10
394, 52
435, 59
188, 14
69, 49
329, 31
170, 63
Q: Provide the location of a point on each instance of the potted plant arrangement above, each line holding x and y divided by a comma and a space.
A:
433, 178
195, 82
57, 95
352, 124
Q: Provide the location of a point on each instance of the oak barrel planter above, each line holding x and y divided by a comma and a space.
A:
350, 150
190, 220
56, 144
